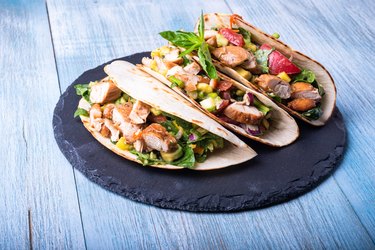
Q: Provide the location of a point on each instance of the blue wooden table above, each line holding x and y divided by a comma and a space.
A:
45, 203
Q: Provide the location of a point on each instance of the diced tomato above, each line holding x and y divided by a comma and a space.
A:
232, 37
223, 85
278, 63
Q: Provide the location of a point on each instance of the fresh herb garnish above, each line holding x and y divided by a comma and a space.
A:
192, 42
262, 58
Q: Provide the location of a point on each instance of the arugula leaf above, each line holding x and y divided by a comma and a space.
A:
245, 34
80, 111
206, 61
181, 38
313, 114
305, 76
262, 59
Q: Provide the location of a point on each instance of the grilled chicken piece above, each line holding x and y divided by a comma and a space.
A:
120, 117
302, 104
96, 120
243, 113
139, 112
104, 91
173, 56
105, 131
108, 109
114, 132
251, 63
305, 90
231, 56
193, 68
212, 41
141, 146
157, 137
271, 83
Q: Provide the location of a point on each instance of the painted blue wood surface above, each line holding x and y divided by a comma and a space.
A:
338, 214
38, 200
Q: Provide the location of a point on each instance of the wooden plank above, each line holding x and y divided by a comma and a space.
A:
99, 31
39, 205
341, 36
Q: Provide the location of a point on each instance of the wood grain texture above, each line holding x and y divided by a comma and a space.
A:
38, 200
86, 34
340, 34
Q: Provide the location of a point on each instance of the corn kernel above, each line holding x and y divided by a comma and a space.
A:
284, 76
204, 87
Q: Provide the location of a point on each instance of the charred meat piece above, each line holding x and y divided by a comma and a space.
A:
96, 120
305, 90
139, 112
231, 56
271, 83
157, 137
104, 91
120, 117
192, 68
243, 113
302, 104
157, 118
223, 85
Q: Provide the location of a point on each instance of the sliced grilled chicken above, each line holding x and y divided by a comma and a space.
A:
140, 145
114, 132
103, 92
243, 114
302, 104
306, 91
274, 84
157, 137
108, 109
193, 68
173, 56
139, 112
96, 120
250, 63
231, 56
120, 117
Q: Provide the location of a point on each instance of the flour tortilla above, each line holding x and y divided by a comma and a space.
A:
145, 88
215, 20
283, 130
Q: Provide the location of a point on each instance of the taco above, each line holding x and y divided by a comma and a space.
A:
230, 103
297, 83
140, 119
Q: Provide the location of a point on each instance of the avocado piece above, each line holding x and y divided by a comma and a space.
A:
169, 157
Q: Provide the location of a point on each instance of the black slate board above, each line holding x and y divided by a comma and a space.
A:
275, 175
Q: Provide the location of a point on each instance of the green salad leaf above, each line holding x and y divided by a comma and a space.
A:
305, 76
313, 114
262, 58
246, 35
83, 90
80, 111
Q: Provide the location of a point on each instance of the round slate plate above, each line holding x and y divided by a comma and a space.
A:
275, 175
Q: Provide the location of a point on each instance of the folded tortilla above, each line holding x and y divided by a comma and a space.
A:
283, 129
323, 77
147, 89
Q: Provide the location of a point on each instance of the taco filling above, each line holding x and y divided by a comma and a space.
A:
262, 65
218, 96
155, 137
